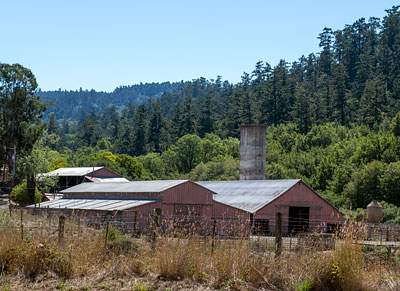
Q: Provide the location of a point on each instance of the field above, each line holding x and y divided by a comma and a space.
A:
34, 256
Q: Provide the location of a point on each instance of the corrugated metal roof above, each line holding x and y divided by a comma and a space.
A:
79, 171
92, 204
105, 180
125, 187
248, 195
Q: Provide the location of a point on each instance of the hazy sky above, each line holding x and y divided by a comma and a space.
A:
104, 44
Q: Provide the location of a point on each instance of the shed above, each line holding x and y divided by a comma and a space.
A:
69, 177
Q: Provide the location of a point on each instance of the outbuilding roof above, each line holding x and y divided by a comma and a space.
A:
125, 187
248, 195
93, 204
79, 171
105, 180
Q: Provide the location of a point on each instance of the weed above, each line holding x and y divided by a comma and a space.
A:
137, 286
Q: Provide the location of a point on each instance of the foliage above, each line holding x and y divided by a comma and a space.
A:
20, 194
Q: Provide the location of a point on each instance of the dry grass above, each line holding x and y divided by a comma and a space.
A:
37, 260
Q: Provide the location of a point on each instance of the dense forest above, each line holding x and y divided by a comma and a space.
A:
71, 104
333, 120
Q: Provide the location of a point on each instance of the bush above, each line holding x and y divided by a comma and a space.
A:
20, 194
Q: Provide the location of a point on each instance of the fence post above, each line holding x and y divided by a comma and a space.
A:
22, 225
79, 223
106, 237
134, 223
213, 237
278, 234
389, 255
387, 233
61, 223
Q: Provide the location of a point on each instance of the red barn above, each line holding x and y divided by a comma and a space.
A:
231, 204
302, 208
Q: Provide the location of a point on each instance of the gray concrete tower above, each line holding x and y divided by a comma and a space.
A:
252, 152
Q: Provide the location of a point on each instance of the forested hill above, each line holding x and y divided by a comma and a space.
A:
354, 78
70, 104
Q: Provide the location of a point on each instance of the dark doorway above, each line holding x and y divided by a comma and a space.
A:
299, 219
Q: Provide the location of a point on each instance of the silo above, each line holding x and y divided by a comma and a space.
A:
252, 152
374, 212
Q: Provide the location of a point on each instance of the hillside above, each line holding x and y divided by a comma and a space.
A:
70, 104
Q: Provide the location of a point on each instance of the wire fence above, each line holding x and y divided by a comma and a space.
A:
58, 226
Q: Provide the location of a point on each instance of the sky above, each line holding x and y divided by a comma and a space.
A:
101, 45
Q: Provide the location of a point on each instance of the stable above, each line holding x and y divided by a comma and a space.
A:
302, 208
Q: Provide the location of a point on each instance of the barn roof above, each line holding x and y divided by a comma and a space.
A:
104, 180
248, 195
125, 187
79, 171
93, 204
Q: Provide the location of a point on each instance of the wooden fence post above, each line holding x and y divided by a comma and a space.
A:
387, 233
134, 223
61, 224
213, 237
106, 237
22, 225
278, 234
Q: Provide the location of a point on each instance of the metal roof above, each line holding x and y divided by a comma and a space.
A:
248, 195
79, 171
125, 187
92, 204
105, 180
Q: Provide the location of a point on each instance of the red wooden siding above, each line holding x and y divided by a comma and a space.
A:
321, 212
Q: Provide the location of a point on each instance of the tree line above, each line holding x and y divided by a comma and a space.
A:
332, 120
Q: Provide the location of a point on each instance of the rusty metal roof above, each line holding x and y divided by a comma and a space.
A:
125, 187
248, 195
79, 171
104, 180
93, 204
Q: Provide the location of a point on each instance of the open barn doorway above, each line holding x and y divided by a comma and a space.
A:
299, 219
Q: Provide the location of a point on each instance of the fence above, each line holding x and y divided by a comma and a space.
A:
58, 226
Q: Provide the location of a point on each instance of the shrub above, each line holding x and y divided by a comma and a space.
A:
20, 194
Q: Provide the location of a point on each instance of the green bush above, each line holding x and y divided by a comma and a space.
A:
20, 194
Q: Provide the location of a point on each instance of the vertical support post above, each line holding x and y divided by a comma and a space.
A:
22, 225
134, 223
79, 223
278, 234
106, 237
387, 233
389, 255
213, 237
61, 224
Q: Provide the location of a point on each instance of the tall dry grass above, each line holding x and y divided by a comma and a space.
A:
230, 263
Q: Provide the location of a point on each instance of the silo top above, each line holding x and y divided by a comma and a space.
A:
374, 204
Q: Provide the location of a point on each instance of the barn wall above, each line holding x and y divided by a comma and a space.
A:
198, 200
321, 212
229, 220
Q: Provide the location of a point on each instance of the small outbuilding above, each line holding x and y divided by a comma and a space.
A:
69, 177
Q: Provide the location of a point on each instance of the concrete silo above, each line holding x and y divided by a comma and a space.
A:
252, 152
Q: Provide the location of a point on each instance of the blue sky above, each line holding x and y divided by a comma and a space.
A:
104, 44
